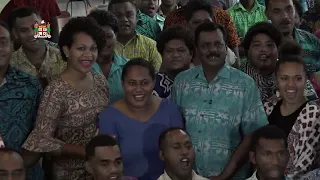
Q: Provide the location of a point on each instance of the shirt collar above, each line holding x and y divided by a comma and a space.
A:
4, 81
134, 38
224, 72
254, 177
118, 60
158, 18
167, 177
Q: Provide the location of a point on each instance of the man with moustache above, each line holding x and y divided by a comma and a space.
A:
103, 159
281, 13
269, 154
178, 155
221, 106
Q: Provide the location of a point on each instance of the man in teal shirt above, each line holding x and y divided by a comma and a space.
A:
221, 106
109, 63
150, 8
303, 4
281, 13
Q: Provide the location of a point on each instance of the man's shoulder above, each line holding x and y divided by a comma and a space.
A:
188, 74
307, 35
22, 77
144, 40
240, 76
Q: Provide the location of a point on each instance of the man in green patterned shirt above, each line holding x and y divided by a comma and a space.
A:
144, 24
150, 8
245, 14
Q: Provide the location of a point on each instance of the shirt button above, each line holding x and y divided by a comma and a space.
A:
199, 131
198, 150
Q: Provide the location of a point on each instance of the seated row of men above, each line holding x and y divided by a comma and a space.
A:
268, 155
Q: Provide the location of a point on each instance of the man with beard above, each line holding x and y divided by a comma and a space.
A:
261, 46
175, 44
221, 106
281, 13
269, 154
178, 155
103, 159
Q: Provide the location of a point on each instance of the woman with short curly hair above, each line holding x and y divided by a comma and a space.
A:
68, 112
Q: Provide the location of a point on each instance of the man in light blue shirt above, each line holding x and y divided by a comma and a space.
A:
221, 106
109, 63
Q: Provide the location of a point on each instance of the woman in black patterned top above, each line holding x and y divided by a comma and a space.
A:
175, 45
294, 113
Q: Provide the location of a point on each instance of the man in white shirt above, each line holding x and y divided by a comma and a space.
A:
178, 155
269, 153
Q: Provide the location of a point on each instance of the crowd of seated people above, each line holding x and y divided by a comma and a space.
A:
161, 90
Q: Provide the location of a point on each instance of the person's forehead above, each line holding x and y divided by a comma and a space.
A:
279, 4
175, 43
10, 159
208, 35
177, 135
4, 33
123, 7
107, 28
107, 152
83, 38
26, 21
262, 37
200, 13
268, 144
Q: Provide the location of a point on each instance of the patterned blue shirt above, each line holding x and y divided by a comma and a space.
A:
19, 100
163, 85
218, 114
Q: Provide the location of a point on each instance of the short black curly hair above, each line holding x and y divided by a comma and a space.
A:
262, 28
105, 18
77, 25
196, 5
175, 32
